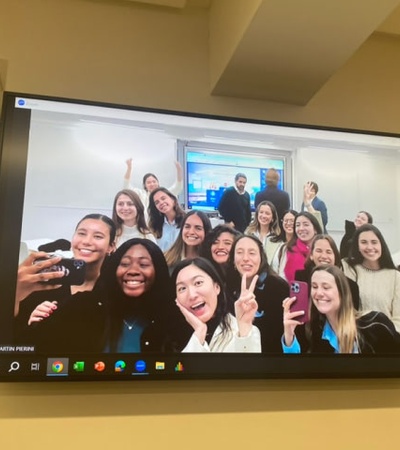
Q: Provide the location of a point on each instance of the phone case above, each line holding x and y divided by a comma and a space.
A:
299, 289
74, 272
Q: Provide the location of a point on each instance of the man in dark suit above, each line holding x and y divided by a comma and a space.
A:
234, 205
280, 199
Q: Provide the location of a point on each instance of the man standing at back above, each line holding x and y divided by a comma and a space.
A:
234, 205
280, 199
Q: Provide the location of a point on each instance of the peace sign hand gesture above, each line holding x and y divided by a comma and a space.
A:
246, 306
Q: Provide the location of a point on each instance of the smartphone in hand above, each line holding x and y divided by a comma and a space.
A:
299, 289
74, 271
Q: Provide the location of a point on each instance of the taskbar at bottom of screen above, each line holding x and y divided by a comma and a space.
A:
126, 366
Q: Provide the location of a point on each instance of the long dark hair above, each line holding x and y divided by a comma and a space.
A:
314, 223
355, 257
233, 277
310, 264
137, 203
150, 305
148, 175
282, 235
213, 235
221, 313
174, 254
156, 218
255, 225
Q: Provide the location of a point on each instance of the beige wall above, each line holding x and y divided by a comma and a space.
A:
157, 58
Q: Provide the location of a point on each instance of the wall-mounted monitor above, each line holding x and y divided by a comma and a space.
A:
63, 160
209, 172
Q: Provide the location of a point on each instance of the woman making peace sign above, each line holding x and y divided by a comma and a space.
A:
201, 299
247, 258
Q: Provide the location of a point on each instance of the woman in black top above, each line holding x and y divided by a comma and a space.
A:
248, 258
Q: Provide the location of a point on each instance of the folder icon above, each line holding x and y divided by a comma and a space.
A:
160, 365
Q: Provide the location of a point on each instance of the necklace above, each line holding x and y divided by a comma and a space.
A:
370, 269
129, 325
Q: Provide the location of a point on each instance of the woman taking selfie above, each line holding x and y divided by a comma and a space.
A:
323, 251
37, 300
128, 216
248, 259
201, 299
371, 266
335, 326
124, 313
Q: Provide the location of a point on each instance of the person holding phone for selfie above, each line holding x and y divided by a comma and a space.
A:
37, 300
334, 325
325, 252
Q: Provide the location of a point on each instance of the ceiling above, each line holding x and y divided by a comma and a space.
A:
284, 51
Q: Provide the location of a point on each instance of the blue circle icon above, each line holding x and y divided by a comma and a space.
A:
21, 102
140, 366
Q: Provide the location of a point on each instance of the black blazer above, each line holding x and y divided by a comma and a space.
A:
270, 291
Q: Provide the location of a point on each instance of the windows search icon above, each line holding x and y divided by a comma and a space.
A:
120, 366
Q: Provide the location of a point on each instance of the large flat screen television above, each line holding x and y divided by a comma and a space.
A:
65, 159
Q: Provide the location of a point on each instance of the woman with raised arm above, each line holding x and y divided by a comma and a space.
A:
247, 258
335, 326
165, 217
371, 266
265, 226
195, 227
150, 183
201, 299
129, 219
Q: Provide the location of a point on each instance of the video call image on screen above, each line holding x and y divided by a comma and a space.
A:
209, 174
64, 159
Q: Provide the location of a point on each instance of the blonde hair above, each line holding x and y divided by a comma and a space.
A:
346, 332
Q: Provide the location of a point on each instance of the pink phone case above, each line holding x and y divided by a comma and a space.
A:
299, 289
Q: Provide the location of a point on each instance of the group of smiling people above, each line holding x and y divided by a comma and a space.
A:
161, 280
